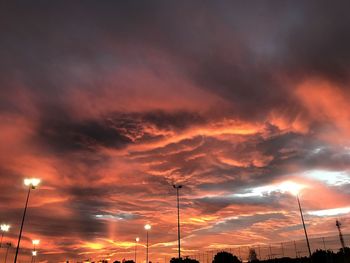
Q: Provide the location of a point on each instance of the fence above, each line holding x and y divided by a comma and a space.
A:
292, 249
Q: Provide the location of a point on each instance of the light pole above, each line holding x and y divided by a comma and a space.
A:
147, 227
34, 253
4, 228
31, 183
136, 243
302, 219
177, 187
7, 251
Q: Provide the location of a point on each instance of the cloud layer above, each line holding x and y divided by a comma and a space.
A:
111, 103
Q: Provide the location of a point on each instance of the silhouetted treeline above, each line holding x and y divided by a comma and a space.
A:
319, 256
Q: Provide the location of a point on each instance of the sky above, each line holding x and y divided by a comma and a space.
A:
110, 103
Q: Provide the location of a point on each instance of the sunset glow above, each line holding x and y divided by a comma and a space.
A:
106, 105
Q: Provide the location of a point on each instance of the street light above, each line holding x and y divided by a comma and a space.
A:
177, 187
4, 228
147, 227
34, 252
32, 183
137, 241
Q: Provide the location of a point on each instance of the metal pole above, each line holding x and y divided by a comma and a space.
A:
135, 251
7, 251
177, 187
302, 219
147, 249
20, 232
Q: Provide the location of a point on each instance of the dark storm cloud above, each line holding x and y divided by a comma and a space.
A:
116, 130
235, 49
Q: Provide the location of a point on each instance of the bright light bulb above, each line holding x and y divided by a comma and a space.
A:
137, 239
291, 187
36, 242
32, 182
148, 227
5, 227
34, 253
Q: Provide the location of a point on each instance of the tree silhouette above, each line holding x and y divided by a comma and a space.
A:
185, 260
252, 255
225, 257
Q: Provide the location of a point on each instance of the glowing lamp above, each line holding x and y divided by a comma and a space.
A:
33, 182
5, 227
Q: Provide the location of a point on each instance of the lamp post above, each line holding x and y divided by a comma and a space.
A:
147, 227
31, 183
4, 228
302, 219
34, 252
136, 243
177, 187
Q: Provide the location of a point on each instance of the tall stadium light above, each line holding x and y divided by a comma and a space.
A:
34, 253
177, 187
32, 183
4, 228
302, 220
136, 243
147, 227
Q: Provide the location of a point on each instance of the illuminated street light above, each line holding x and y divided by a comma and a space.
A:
137, 241
4, 228
147, 227
177, 187
34, 252
36, 242
32, 183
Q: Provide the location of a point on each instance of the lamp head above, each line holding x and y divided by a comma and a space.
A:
34, 253
5, 227
137, 239
148, 227
32, 182
36, 242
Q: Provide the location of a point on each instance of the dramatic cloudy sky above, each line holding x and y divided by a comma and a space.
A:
111, 102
